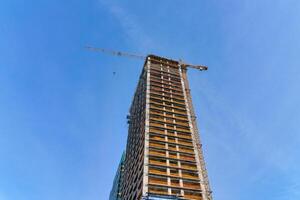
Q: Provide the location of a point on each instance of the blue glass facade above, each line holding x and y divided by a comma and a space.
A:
115, 192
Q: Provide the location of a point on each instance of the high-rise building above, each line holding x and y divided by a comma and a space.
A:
115, 193
164, 159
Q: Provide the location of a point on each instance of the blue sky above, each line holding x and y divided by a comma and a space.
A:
62, 111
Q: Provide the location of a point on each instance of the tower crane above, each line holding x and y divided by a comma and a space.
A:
130, 55
196, 139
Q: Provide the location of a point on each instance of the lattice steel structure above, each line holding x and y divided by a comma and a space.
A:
163, 153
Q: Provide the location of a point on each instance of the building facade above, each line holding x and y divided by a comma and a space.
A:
115, 193
164, 159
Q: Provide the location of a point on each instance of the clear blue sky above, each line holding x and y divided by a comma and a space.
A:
62, 111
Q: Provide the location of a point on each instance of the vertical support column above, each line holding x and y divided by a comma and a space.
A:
146, 145
206, 192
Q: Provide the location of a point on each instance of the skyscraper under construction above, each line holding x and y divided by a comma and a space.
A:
163, 158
